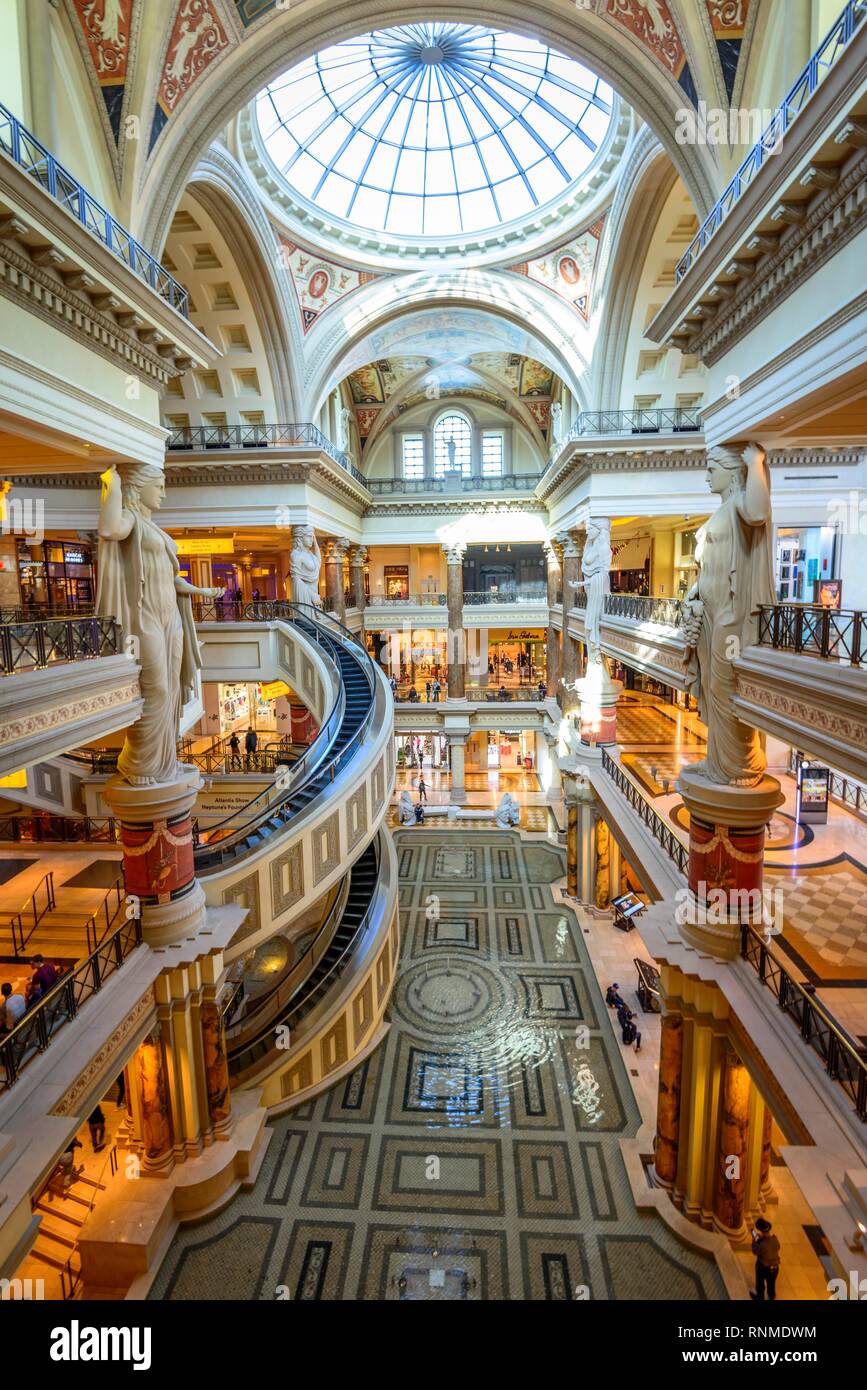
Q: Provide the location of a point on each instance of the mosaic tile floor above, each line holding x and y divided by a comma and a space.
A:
475, 1154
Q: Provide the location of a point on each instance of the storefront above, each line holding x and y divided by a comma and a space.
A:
57, 574
805, 558
501, 750
411, 657
243, 705
421, 750
516, 656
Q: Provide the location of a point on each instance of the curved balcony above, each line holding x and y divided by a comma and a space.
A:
31, 644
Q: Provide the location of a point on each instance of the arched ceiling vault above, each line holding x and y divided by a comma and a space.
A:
295, 33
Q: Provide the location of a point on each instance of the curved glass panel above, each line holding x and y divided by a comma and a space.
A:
431, 130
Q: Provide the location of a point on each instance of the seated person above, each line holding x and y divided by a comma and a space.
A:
13, 1006
612, 996
44, 974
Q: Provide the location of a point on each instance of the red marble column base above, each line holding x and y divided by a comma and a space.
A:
726, 858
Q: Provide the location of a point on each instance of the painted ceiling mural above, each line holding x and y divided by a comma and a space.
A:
318, 283
568, 270
196, 39
728, 20
652, 23
106, 27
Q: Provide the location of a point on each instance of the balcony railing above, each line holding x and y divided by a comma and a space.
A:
674, 420
661, 832
506, 482
824, 58
834, 634
31, 645
521, 593
398, 600
842, 1060
493, 694
643, 609
61, 1004
30, 155
202, 438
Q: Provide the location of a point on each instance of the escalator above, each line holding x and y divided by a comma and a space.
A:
363, 878
264, 816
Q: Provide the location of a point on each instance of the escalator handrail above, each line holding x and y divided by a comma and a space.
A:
285, 1017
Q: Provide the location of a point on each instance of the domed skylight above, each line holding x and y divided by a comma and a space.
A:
433, 130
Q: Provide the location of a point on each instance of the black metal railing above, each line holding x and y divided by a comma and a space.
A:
834, 634
419, 600
841, 1058
493, 694
23, 924
643, 608
21, 146
101, 922
35, 643
218, 760
41, 1023
401, 487
825, 56
671, 420
662, 833
518, 593
202, 438
45, 828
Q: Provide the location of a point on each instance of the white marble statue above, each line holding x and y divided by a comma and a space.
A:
405, 809
304, 564
508, 811
556, 422
140, 585
344, 421
720, 612
595, 567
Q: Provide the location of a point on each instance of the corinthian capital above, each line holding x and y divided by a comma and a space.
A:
336, 548
455, 552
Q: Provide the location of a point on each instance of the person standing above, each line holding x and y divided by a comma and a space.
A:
427, 691
234, 751
766, 1249
12, 1008
251, 743
96, 1125
422, 789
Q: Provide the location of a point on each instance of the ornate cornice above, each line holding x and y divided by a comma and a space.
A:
140, 1018
42, 721
463, 507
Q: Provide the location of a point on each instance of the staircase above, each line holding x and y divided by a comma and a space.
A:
54, 1256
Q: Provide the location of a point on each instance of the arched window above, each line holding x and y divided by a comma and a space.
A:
453, 450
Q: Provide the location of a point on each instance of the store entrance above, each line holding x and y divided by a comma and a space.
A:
422, 751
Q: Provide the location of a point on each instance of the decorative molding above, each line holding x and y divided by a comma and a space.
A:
98, 1064
42, 721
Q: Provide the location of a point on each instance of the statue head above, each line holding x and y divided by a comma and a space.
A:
727, 465
143, 486
303, 537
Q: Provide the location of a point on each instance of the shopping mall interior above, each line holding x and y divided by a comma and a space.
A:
433, 711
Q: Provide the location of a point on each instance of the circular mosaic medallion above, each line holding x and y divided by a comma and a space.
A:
447, 996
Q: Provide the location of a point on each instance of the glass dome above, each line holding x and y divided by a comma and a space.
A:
433, 130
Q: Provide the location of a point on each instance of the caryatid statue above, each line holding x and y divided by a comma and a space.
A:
304, 564
721, 610
556, 422
596, 583
344, 422
141, 586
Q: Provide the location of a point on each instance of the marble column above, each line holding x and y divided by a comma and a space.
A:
555, 780
731, 1177
457, 743
335, 551
456, 649
216, 1064
668, 1099
603, 863
150, 1077
572, 875
555, 580
580, 806
571, 570
357, 559
765, 1185
727, 827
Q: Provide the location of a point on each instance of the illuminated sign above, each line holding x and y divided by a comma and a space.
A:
205, 545
270, 690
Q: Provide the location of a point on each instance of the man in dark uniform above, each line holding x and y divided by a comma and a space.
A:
766, 1249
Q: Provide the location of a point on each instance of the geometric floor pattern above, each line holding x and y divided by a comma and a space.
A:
475, 1154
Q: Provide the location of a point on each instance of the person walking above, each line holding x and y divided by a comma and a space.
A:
427, 691
766, 1249
234, 751
251, 743
436, 691
422, 789
96, 1125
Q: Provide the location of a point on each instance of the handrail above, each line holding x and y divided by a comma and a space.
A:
216, 760
44, 827
664, 836
192, 438
118, 888
643, 608
837, 39
833, 634
316, 621
38, 642
842, 1060
22, 146
503, 482
306, 1002
491, 694
271, 1004
670, 420
16, 921
34, 1032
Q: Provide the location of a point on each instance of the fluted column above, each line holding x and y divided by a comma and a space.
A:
571, 570
668, 1099
357, 559
555, 579
456, 650
731, 1178
335, 551
457, 744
